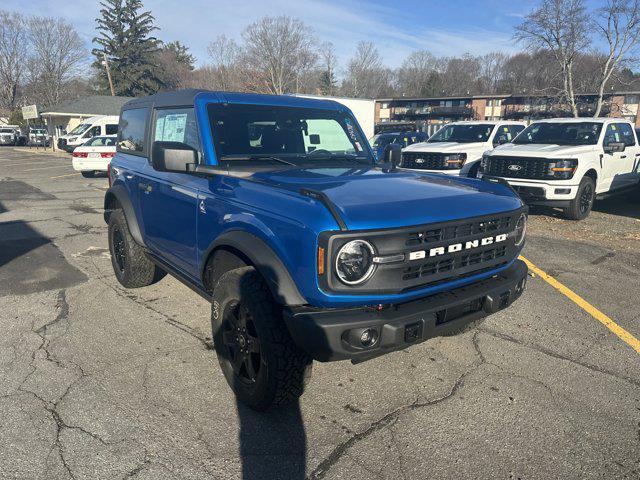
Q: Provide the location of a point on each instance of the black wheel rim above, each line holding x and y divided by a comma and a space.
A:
119, 250
241, 343
586, 198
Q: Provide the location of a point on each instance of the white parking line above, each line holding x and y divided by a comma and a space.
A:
23, 164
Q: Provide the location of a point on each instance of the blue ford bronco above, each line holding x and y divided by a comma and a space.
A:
274, 209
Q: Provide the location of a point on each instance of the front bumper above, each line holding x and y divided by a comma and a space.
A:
536, 192
327, 334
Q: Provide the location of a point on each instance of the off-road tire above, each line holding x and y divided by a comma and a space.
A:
283, 368
88, 173
580, 206
136, 270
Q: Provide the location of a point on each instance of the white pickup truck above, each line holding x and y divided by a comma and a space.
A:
567, 162
456, 149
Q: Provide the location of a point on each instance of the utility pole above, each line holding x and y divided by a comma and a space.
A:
105, 62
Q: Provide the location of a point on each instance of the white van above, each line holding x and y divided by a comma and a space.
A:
89, 128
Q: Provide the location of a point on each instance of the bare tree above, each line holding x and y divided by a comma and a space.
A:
225, 71
277, 52
492, 70
562, 27
366, 75
619, 25
420, 74
13, 49
56, 57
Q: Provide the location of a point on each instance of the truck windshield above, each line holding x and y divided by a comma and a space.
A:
570, 133
80, 129
463, 133
288, 135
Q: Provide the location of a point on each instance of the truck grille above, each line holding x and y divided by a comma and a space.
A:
433, 254
423, 161
518, 167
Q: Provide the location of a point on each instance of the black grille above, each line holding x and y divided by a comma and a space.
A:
453, 232
518, 167
425, 161
438, 266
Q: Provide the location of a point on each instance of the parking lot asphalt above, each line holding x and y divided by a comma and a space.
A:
101, 382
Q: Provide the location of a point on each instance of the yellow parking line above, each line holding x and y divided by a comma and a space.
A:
67, 175
624, 335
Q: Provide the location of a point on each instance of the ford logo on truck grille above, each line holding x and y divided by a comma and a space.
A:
515, 168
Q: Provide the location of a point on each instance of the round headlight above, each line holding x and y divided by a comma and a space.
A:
354, 262
521, 229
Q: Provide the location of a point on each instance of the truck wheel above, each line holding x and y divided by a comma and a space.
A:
130, 263
260, 361
580, 206
88, 173
473, 171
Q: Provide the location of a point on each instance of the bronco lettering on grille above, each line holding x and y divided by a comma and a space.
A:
457, 247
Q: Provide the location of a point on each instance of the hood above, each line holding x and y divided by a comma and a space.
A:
369, 198
446, 147
543, 150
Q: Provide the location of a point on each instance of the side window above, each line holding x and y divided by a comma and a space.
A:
611, 135
177, 125
503, 135
626, 134
92, 132
111, 129
132, 129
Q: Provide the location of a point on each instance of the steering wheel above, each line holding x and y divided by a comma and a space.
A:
320, 150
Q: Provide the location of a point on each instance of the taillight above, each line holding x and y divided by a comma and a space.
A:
80, 154
108, 155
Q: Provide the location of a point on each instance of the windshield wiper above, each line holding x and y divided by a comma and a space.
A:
258, 157
338, 156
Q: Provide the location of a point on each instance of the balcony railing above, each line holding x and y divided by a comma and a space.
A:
436, 111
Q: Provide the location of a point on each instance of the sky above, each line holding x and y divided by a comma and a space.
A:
444, 27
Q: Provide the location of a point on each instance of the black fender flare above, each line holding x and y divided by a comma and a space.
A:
266, 261
120, 193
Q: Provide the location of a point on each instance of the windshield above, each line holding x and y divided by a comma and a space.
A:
274, 133
463, 133
80, 129
582, 133
381, 140
38, 131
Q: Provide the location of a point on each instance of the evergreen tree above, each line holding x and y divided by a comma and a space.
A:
125, 37
328, 82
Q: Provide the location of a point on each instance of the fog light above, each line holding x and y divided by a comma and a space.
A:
368, 337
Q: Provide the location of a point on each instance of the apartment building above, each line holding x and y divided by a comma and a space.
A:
426, 113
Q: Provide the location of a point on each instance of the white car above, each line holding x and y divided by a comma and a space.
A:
39, 136
567, 162
94, 155
8, 136
457, 148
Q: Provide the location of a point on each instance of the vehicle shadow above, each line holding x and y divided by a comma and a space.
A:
624, 205
273, 444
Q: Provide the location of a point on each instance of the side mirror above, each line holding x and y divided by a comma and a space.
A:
614, 147
392, 155
172, 156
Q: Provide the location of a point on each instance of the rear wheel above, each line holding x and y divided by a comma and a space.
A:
131, 265
581, 205
260, 361
88, 173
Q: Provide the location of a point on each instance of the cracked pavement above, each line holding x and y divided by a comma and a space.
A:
97, 381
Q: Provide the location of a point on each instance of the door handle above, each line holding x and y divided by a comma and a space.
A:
145, 187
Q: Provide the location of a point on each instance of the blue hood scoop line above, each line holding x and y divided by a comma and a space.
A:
326, 201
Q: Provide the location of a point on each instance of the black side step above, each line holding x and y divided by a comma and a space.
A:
326, 201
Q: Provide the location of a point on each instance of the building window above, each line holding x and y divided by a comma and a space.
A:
631, 99
489, 103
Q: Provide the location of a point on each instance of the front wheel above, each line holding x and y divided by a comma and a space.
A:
260, 361
581, 205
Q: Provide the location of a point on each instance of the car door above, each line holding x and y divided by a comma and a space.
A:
169, 200
618, 167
